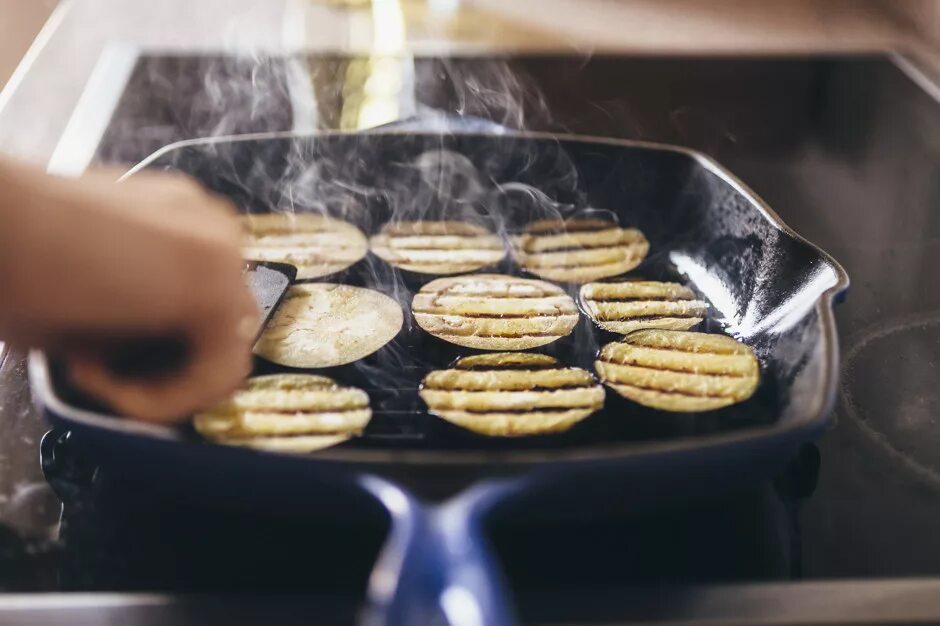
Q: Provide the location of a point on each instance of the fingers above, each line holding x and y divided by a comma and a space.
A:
135, 399
222, 350
220, 359
211, 376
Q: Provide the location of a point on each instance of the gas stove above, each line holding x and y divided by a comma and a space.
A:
846, 149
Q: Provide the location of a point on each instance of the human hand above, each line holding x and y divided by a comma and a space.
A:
87, 263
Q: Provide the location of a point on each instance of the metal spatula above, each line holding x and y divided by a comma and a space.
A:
268, 282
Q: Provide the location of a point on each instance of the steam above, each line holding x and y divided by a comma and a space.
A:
493, 90
436, 178
437, 183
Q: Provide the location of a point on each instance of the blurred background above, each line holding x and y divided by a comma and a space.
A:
656, 25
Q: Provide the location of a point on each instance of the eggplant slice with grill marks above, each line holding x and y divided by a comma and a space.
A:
626, 306
512, 394
681, 371
494, 311
437, 247
287, 413
317, 245
579, 250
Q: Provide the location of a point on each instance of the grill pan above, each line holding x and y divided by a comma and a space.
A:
438, 483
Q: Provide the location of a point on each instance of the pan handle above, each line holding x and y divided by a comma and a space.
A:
436, 566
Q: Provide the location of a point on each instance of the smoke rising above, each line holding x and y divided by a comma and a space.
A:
433, 174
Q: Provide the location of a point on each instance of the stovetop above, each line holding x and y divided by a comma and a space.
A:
845, 149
